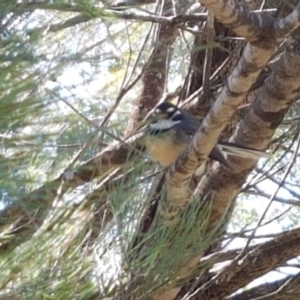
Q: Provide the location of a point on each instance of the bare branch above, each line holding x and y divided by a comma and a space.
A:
237, 17
210, 31
252, 26
260, 290
257, 262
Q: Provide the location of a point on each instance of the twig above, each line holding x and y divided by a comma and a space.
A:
210, 34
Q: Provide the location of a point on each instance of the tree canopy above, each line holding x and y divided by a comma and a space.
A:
85, 212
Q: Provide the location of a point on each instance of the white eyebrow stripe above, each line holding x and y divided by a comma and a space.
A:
157, 111
170, 109
163, 124
178, 112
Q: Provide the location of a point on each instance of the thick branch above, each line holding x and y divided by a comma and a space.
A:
172, 20
238, 18
253, 60
254, 27
256, 263
257, 128
270, 290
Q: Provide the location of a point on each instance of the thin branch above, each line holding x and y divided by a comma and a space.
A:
284, 177
260, 192
208, 53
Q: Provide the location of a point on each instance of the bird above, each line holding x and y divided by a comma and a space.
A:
170, 130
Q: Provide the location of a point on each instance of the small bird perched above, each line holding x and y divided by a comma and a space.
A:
171, 129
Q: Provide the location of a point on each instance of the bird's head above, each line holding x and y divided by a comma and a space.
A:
165, 116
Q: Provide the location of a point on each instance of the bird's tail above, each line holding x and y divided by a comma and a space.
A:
242, 151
